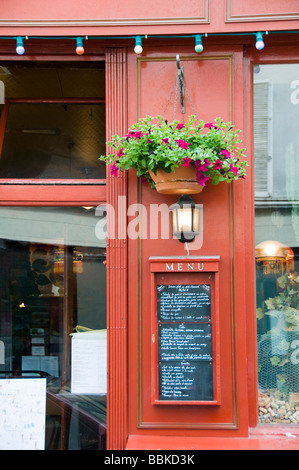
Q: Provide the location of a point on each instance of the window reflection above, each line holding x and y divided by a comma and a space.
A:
276, 151
53, 141
52, 290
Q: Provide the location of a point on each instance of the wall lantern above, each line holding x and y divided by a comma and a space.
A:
185, 216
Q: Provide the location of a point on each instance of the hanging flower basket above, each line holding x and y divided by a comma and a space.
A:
181, 180
210, 150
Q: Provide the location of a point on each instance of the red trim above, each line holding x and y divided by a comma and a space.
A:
38, 195
56, 100
208, 266
265, 439
117, 263
51, 191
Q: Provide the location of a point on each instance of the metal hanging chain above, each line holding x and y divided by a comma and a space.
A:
175, 97
195, 113
171, 93
180, 84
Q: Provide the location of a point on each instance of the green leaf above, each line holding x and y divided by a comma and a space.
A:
270, 304
259, 313
275, 360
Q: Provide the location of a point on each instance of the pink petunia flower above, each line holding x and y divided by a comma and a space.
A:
202, 166
210, 125
217, 164
186, 161
182, 144
233, 169
201, 178
226, 153
120, 152
165, 141
135, 134
180, 126
113, 169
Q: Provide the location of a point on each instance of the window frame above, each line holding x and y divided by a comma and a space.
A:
51, 191
273, 56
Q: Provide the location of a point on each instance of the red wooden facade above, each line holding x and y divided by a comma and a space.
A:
219, 82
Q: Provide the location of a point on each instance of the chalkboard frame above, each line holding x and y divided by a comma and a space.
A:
164, 273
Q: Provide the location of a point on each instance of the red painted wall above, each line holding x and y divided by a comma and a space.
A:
219, 83
214, 83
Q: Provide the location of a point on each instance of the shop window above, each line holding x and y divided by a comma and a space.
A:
53, 122
53, 317
53, 140
276, 152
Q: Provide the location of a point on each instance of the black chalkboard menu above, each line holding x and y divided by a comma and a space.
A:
182, 302
185, 342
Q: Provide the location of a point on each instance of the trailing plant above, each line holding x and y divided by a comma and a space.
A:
153, 143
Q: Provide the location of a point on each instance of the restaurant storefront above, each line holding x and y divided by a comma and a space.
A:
114, 334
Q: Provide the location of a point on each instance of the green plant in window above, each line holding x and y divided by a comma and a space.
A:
277, 347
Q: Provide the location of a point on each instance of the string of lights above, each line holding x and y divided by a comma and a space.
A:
138, 48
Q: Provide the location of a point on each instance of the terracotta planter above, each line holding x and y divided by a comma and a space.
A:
181, 181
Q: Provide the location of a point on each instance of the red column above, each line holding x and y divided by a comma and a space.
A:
116, 118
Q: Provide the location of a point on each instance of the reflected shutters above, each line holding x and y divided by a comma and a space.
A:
263, 185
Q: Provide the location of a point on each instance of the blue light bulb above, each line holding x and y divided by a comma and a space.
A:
259, 42
138, 45
20, 49
198, 43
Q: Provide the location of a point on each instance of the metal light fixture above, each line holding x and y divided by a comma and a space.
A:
274, 257
185, 216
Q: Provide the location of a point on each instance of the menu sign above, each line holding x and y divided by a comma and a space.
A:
184, 302
185, 342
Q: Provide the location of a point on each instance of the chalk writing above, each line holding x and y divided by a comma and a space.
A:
185, 350
184, 302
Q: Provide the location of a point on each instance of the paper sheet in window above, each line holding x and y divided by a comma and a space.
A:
89, 363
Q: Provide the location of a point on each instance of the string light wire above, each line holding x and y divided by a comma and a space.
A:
20, 49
